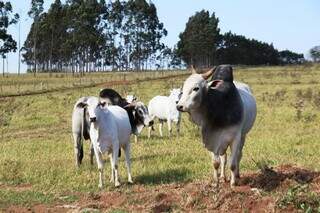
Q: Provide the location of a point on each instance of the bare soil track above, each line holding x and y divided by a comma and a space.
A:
104, 84
263, 191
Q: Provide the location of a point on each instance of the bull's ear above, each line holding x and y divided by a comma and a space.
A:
82, 104
215, 84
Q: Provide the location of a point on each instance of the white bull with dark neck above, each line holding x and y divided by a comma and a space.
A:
225, 111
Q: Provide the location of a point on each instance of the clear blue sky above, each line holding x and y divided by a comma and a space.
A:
288, 24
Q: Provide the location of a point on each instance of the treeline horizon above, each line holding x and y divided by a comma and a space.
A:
94, 35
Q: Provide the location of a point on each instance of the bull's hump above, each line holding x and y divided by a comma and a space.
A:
224, 108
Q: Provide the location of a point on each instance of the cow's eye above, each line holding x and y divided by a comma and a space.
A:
196, 89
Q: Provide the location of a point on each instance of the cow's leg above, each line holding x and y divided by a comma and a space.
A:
169, 127
112, 171
178, 126
234, 164
115, 153
160, 128
91, 153
243, 139
128, 162
216, 164
78, 149
149, 132
100, 164
223, 160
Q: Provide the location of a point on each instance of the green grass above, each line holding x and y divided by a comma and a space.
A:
37, 148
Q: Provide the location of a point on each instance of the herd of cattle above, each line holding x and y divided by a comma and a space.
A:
224, 110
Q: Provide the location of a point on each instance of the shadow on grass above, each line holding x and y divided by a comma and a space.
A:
145, 138
164, 177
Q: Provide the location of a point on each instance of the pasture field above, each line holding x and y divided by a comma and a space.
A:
279, 169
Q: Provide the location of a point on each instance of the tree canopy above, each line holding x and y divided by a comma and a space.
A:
202, 45
315, 53
87, 35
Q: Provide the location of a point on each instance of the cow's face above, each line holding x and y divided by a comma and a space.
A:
141, 113
192, 93
175, 95
92, 104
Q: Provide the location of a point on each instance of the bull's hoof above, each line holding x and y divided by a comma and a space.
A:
130, 182
223, 179
100, 186
117, 184
233, 184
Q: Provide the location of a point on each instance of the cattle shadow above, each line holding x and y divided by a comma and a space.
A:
144, 157
158, 137
164, 177
269, 179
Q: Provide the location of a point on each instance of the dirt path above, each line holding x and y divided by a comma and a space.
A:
105, 84
284, 189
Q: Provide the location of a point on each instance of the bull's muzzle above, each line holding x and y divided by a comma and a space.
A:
93, 119
180, 108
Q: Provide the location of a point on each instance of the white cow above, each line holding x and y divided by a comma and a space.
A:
109, 130
224, 110
165, 109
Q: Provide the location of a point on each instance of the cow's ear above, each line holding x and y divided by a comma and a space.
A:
215, 84
82, 104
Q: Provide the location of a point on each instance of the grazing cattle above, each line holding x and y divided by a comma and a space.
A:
165, 109
80, 129
137, 111
224, 110
109, 131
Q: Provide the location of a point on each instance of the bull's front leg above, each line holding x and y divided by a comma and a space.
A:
178, 126
100, 164
234, 161
128, 162
223, 161
115, 154
216, 165
149, 131
91, 153
169, 127
160, 128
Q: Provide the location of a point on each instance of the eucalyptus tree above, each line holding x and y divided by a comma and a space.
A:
198, 42
35, 12
7, 18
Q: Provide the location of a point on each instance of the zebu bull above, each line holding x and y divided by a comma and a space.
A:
109, 131
224, 110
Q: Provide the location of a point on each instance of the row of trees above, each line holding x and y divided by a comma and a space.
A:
201, 44
86, 35
93, 35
